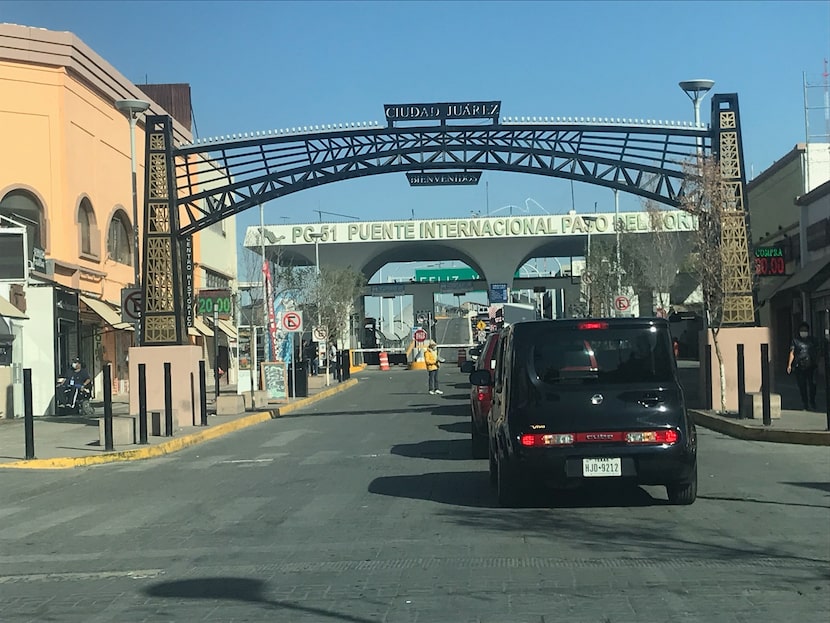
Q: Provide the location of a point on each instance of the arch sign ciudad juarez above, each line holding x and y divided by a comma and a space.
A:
190, 187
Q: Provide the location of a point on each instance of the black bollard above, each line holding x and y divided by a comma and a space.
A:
108, 441
168, 401
142, 403
192, 402
203, 392
741, 381
765, 401
28, 415
707, 378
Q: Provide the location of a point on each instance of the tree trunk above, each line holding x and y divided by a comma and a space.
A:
721, 371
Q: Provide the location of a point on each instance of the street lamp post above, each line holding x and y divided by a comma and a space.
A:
133, 108
696, 90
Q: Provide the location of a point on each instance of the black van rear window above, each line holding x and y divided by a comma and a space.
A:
608, 355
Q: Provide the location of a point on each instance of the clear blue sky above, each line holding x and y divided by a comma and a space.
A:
260, 65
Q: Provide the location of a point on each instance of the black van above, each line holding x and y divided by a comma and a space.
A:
578, 400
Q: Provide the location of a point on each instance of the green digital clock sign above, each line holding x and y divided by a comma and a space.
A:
214, 301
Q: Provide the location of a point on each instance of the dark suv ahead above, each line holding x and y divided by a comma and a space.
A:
584, 399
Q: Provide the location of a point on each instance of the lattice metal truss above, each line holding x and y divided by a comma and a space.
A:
218, 179
161, 318
739, 307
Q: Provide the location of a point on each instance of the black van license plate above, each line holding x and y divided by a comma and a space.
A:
599, 468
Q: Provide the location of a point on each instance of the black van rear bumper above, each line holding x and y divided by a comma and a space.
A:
563, 467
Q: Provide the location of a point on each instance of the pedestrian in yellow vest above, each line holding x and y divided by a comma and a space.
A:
433, 363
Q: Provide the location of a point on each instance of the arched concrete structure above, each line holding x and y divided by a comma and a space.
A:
495, 247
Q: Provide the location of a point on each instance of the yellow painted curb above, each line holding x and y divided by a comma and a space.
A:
180, 443
417, 365
146, 452
754, 433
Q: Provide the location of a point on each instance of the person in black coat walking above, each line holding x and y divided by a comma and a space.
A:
803, 360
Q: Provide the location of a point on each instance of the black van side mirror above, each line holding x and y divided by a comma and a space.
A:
481, 377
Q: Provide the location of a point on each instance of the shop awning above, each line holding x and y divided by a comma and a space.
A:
803, 276
7, 310
107, 313
199, 328
824, 287
769, 287
226, 327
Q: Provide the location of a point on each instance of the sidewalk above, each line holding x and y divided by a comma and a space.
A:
63, 442
794, 426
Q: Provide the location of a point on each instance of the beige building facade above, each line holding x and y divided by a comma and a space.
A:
788, 210
65, 175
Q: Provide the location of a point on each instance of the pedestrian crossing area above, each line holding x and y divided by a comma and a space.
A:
132, 508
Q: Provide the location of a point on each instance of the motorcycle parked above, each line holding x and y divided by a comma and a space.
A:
74, 399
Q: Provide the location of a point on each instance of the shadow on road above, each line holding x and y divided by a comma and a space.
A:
723, 498
462, 427
446, 449
239, 589
821, 486
455, 488
472, 489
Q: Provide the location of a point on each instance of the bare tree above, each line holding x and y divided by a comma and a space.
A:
601, 268
710, 198
651, 261
330, 298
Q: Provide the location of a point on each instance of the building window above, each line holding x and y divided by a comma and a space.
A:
23, 207
87, 227
118, 239
216, 281
817, 235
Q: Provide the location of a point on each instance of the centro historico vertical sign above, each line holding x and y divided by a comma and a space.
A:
442, 112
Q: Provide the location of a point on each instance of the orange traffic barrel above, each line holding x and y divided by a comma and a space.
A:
384, 360
462, 356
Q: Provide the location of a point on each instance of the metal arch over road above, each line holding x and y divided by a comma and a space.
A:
190, 187
643, 159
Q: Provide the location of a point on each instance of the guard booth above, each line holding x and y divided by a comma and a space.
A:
370, 340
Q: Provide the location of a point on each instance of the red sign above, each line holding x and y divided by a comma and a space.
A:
420, 335
621, 303
292, 321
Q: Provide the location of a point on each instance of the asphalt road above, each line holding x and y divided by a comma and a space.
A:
366, 508
452, 330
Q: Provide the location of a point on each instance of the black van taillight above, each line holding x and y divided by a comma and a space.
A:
538, 440
662, 436
666, 435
